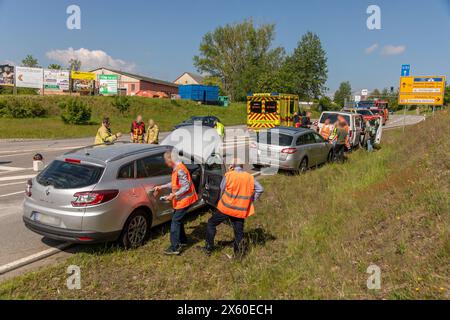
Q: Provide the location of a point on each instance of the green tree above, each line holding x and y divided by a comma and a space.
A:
54, 66
30, 62
305, 71
74, 64
343, 94
447, 96
238, 54
122, 104
375, 94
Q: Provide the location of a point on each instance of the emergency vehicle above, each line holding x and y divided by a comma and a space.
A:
270, 110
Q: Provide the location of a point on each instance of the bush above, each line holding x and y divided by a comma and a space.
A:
22, 108
122, 104
75, 111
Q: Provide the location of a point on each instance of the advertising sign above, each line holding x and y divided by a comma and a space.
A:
56, 79
6, 75
80, 75
427, 90
29, 77
108, 84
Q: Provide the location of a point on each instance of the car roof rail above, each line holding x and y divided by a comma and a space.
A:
135, 152
92, 146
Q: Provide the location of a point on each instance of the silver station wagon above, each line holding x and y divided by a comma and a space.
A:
293, 149
104, 193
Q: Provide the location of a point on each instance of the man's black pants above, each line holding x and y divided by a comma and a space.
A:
238, 227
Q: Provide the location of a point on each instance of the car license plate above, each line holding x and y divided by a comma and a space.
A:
45, 219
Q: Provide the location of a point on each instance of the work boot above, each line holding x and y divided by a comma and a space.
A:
170, 252
207, 251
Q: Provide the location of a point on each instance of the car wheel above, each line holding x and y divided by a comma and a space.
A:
136, 230
303, 167
257, 166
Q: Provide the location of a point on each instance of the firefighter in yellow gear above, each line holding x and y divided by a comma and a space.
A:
104, 134
220, 129
152, 135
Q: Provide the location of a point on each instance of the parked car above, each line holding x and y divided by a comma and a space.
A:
294, 149
365, 113
354, 120
207, 121
104, 193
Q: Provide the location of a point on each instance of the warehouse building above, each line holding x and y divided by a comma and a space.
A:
189, 78
132, 84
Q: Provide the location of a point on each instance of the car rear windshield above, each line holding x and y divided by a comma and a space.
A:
276, 139
65, 175
333, 117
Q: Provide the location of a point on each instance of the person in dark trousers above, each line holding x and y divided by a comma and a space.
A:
239, 190
341, 140
306, 121
183, 196
296, 120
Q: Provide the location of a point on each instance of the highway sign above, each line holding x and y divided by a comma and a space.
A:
406, 68
364, 92
427, 90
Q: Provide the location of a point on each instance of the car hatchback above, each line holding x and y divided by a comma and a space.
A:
104, 193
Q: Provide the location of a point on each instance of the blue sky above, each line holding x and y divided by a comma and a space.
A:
159, 38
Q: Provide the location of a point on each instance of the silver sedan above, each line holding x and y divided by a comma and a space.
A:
287, 148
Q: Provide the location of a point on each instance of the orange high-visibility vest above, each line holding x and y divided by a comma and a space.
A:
190, 197
326, 132
237, 198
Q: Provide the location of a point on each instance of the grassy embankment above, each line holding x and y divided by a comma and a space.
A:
165, 112
314, 237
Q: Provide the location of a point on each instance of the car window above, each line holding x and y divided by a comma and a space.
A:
271, 107
304, 139
126, 172
357, 122
273, 138
256, 107
153, 166
333, 117
65, 175
318, 138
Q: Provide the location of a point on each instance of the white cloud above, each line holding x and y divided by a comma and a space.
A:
10, 62
372, 48
90, 59
391, 50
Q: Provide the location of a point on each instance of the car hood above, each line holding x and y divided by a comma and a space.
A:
197, 141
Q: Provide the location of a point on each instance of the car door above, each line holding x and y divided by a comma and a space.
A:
306, 147
152, 171
321, 148
213, 172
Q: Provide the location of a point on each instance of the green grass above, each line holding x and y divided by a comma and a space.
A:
313, 237
165, 112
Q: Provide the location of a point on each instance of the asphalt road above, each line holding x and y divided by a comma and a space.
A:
16, 241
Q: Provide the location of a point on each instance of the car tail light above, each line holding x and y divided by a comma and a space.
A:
28, 188
72, 160
289, 150
85, 239
92, 198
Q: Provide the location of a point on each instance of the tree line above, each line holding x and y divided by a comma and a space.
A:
242, 58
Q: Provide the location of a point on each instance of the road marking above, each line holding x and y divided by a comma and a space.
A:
29, 151
6, 168
12, 184
14, 155
11, 194
17, 177
33, 258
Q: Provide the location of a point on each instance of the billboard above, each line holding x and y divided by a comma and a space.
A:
80, 75
108, 84
6, 75
29, 77
56, 79
427, 90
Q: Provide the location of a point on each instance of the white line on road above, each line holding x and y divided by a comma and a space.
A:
6, 168
12, 184
33, 258
14, 155
29, 176
11, 194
